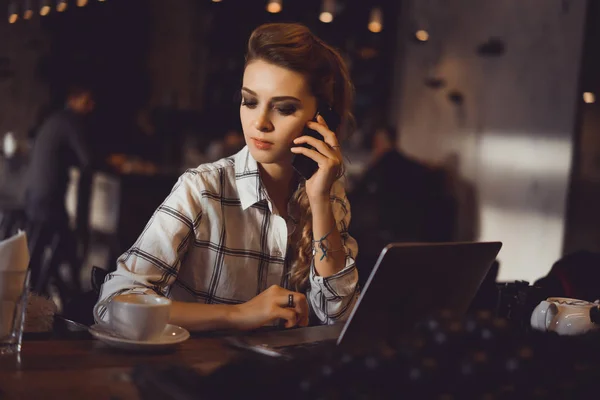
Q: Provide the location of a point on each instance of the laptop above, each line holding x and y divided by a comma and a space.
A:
410, 282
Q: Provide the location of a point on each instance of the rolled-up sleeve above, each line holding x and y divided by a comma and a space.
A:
332, 298
152, 264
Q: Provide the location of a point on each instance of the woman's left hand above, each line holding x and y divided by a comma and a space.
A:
327, 155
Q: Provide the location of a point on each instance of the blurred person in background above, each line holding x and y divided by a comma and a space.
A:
60, 143
402, 200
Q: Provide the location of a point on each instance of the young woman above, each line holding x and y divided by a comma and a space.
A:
245, 241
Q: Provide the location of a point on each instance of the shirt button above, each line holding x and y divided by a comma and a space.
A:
277, 253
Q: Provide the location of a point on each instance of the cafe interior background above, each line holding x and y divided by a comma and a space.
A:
498, 98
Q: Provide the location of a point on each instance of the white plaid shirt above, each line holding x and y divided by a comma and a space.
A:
216, 240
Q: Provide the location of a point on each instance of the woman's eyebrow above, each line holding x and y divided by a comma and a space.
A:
274, 99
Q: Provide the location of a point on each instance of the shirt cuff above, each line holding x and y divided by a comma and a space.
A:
336, 286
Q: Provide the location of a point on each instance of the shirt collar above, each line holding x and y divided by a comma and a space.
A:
247, 179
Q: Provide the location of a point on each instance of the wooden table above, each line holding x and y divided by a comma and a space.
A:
88, 369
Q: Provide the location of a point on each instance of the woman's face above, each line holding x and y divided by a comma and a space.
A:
276, 104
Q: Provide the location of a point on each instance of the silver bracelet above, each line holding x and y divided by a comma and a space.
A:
325, 251
322, 244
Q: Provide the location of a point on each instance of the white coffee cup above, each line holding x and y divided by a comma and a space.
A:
141, 317
564, 316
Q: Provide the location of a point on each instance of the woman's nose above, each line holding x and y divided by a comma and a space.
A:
262, 123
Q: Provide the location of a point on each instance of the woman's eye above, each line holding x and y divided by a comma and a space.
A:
286, 110
249, 103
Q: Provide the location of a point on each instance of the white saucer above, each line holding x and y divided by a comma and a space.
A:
171, 336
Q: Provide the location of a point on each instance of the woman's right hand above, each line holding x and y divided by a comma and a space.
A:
270, 305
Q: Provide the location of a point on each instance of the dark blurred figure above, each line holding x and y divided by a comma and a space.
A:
576, 275
464, 197
61, 142
398, 200
41, 116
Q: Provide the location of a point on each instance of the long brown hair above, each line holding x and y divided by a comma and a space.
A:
295, 47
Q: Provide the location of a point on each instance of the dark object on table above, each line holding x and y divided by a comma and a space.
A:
576, 275
516, 301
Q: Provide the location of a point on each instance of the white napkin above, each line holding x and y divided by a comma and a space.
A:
14, 254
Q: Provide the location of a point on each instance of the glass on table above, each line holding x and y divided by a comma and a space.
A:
13, 302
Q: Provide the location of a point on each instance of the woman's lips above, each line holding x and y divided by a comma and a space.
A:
262, 144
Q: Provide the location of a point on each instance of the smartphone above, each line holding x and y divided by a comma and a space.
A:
305, 166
